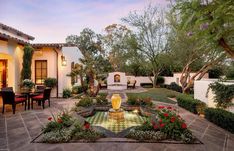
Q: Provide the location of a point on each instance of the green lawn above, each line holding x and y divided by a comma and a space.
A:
158, 94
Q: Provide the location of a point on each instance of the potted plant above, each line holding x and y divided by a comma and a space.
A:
50, 82
27, 84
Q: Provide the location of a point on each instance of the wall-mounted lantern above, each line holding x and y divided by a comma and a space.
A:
64, 61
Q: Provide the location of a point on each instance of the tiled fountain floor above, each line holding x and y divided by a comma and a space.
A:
16, 132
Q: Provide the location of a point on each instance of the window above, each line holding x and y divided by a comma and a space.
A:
40, 71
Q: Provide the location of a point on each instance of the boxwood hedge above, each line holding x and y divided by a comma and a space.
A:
193, 105
221, 118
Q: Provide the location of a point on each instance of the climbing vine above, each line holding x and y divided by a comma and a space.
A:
223, 94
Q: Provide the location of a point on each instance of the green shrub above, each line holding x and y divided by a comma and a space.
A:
221, 118
133, 100
223, 94
160, 80
102, 100
50, 82
139, 100
147, 85
174, 86
85, 102
77, 89
193, 105
66, 93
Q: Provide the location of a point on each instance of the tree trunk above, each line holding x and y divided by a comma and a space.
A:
82, 83
226, 47
91, 83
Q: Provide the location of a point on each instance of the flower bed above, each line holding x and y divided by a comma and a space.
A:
163, 124
64, 128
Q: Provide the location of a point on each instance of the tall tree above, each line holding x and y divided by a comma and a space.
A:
89, 43
27, 62
190, 52
212, 20
115, 42
151, 36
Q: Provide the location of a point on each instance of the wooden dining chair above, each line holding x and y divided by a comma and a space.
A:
45, 96
9, 97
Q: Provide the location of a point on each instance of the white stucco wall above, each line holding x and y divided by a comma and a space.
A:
72, 54
13, 53
201, 88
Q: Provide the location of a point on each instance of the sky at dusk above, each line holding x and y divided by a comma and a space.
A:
53, 20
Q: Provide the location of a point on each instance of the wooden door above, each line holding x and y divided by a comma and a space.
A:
3, 73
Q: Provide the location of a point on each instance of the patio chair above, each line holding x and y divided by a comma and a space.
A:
41, 98
131, 84
40, 88
9, 97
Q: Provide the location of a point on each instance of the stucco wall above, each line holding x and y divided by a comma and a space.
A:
72, 54
13, 53
201, 88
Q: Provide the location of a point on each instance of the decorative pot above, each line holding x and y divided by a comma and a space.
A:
116, 101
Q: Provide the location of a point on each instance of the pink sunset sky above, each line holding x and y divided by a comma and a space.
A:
53, 20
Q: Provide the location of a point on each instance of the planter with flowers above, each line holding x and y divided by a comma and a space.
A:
164, 124
27, 84
65, 128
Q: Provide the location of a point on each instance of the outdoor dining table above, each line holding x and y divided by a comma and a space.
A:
29, 94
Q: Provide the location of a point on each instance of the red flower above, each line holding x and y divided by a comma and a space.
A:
169, 107
183, 125
160, 121
49, 118
153, 123
155, 127
173, 119
166, 114
161, 107
86, 125
162, 125
59, 120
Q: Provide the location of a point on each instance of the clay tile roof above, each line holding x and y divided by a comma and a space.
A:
57, 45
17, 31
5, 36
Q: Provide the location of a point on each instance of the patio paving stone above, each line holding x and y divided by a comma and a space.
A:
21, 128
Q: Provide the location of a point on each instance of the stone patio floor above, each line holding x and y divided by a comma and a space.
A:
17, 131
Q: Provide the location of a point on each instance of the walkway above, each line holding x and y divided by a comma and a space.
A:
16, 132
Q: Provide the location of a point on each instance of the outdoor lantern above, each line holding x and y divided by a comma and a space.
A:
64, 61
116, 101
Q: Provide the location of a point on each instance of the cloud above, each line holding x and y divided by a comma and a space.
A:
54, 20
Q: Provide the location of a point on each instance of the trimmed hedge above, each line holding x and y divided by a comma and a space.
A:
193, 105
146, 85
221, 118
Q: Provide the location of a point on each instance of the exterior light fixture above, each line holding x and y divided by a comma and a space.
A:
64, 61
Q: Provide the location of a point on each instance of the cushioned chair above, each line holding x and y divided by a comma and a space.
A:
41, 98
131, 84
9, 97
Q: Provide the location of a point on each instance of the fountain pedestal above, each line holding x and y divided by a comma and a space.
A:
117, 115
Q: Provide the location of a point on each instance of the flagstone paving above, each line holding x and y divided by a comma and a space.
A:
17, 131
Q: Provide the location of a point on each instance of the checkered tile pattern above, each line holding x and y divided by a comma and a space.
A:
101, 119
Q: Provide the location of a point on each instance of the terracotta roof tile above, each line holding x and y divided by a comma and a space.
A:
15, 30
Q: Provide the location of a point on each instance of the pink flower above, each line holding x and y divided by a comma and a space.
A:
59, 120
166, 114
160, 121
49, 118
87, 125
173, 119
169, 107
183, 125
162, 125
161, 107
155, 127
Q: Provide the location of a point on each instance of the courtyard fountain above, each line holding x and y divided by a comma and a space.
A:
116, 113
